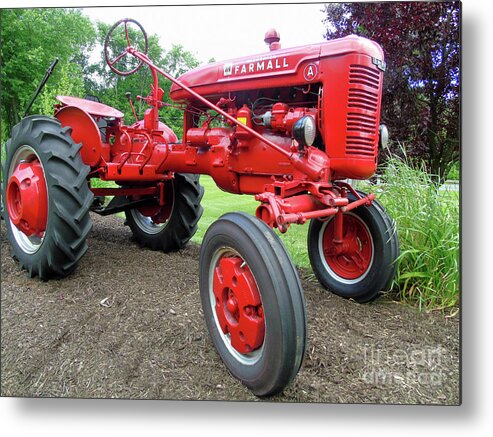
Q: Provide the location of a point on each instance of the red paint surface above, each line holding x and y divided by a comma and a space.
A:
238, 305
91, 107
259, 98
350, 256
27, 198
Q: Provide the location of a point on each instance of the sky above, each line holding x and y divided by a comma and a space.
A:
225, 31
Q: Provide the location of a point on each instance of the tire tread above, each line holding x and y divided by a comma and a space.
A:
182, 224
69, 197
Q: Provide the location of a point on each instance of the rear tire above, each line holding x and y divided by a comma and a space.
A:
41, 143
369, 268
253, 303
180, 226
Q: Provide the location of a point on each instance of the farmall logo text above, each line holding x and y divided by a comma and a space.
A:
255, 66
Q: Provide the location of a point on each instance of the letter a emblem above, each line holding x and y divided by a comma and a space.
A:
310, 72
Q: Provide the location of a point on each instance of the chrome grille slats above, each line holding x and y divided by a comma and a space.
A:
361, 122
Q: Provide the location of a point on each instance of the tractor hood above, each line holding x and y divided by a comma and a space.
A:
276, 68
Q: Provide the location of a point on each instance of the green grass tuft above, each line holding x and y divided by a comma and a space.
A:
428, 227
427, 224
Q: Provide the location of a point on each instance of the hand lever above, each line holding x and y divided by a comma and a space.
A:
128, 95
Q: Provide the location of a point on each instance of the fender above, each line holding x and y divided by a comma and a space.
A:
84, 131
79, 114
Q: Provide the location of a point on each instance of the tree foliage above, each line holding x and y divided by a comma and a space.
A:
110, 88
421, 42
69, 82
30, 40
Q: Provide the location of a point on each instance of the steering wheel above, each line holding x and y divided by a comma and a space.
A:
120, 38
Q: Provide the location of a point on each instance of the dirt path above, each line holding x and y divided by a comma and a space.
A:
128, 324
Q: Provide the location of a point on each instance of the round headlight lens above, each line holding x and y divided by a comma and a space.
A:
305, 130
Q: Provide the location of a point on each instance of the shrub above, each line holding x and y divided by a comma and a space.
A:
454, 172
428, 227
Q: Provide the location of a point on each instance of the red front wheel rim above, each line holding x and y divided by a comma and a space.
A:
351, 259
237, 306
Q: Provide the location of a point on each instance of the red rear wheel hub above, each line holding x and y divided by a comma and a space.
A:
238, 304
27, 198
160, 214
352, 257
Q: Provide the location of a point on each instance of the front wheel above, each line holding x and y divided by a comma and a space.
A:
253, 303
364, 263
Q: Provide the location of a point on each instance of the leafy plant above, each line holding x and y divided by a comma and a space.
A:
428, 227
421, 95
31, 39
69, 83
454, 171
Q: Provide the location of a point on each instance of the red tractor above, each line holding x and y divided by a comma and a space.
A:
288, 126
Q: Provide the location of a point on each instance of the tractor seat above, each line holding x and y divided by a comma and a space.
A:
93, 108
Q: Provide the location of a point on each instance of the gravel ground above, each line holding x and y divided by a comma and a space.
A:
128, 324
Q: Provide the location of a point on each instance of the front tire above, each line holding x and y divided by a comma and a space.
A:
170, 228
367, 264
46, 198
253, 303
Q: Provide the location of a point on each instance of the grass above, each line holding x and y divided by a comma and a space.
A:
427, 224
454, 172
98, 183
428, 228
217, 202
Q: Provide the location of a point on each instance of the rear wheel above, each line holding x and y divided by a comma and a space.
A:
170, 227
253, 302
364, 263
46, 198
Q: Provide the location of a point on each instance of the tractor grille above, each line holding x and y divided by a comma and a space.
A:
361, 124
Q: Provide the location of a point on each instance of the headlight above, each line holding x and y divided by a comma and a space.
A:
305, 130
383, 137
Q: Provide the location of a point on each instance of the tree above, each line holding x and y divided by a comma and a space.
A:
32, 38
30, 41
69, 81
111, 88
421, 42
